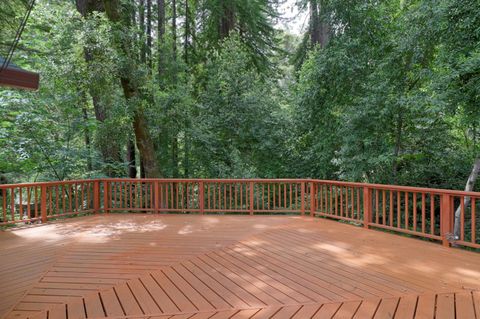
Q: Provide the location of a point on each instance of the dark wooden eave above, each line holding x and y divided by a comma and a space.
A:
16, 77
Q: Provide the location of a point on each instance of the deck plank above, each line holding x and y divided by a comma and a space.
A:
387, 308
327, 311
127, 300
425, 307
476, 302
445, 306
347, 310
307, 311
464, 307
367, 309
161, 298
112, 305
406, 307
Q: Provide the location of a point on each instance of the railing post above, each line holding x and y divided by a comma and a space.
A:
106, 194
43, 203
445, 219
156, 196
201, 197
367, 206
313, 196
250, 207
302, 198
96, 196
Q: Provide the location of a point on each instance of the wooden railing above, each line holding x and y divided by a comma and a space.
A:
422, 212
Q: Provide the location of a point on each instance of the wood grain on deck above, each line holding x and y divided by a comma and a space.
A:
184, 266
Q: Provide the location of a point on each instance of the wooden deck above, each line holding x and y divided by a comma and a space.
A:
191, 266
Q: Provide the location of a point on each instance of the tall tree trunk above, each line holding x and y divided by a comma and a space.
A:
131, 91
174, 29
324, 26
398, 147
186, 148
86, 133
132, 164
160, 36
141, 21
468, 188
314, 23
227, 21
149, 35
174, 53
319, 29
186, 34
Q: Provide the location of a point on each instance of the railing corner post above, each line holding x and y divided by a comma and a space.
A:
43, 203
250, 205
201, 197
106, 196
96, 196
313, 196
367, 206
445, 219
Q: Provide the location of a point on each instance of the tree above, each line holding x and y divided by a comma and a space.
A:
119, 15
240, 127
252, 20
459, 78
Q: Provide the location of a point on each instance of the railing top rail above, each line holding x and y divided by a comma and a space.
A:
221, 180
257, 180
401, 188
31, 184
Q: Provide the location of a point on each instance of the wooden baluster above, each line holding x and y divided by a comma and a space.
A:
20, 202
407, 211
230, 197
336, 200
250, 207
391, 209
445, 225
302, 198
384, 207
432, 214
341, 201
4, 199
12, 203
96, 196
473, 225
43, 203
224, 196
156, 196
367, 206
423, 212
462, 217
106, 196
201, 197
313, 195
414, 211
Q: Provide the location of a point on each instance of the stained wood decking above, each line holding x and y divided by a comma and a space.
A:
184, 266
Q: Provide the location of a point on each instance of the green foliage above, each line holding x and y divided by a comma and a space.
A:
251, 20
240, 127
370, 102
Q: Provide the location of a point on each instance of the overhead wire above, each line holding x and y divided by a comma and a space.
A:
18, 35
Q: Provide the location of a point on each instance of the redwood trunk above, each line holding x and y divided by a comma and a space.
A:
131, 91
